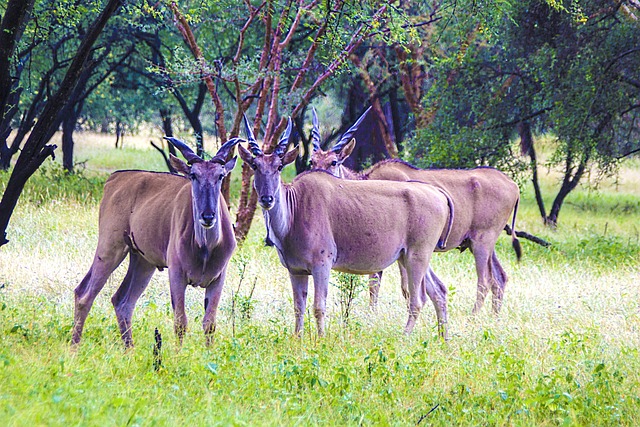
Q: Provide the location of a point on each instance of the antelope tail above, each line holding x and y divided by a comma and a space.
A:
514, 239
442, 243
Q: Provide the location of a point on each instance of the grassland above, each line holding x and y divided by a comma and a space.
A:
564, 350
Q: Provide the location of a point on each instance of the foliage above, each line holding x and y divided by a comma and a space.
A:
567, 69
349, 286
51, 184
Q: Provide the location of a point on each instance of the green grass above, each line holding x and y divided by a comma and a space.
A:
564, 350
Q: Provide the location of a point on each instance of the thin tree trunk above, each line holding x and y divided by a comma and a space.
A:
69, 122
569, 183
527, 147
17, 13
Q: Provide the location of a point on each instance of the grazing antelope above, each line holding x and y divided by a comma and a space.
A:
319, 223
484, 199
163, 220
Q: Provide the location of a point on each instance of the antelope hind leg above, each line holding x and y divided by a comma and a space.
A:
374, 289
498, 282
437, 292
481, 255
415, 279
90, 287
125, 299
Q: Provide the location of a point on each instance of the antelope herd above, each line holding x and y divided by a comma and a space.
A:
328, 218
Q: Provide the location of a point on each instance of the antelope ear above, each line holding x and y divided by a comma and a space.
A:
290, 156
245, 154
347, 149
228, 167
179, 165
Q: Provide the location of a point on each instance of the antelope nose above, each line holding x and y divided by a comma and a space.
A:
207, 219
266, 201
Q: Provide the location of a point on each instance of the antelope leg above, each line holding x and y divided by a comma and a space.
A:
404, 286
481, 255
374, 289
437, 292
178, 288
416, 271
320, 288
498, 282
124, 300
300, 286
91, 286
211, 301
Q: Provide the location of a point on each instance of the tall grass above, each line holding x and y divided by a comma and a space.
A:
564, 350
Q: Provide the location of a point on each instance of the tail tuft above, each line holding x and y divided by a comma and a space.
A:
516, 247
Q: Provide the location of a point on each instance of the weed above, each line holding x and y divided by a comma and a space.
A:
349, 287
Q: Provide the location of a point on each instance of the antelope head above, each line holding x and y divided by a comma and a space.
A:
206, 178
332, 160
267, 167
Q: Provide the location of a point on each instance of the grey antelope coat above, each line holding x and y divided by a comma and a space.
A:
319, 223
484, 199
162, 220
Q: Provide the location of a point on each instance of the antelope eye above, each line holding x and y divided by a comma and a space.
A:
280, 168
253, 166
333, 163
221, 178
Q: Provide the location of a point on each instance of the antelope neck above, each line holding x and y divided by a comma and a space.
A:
206, 238
279, 218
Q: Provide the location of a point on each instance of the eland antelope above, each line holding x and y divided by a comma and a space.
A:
484, 199
163, 220
320, 223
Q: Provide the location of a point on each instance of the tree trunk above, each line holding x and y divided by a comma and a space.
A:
69, 122
36, 150
527, 147
569, 183
17, 13
246, 211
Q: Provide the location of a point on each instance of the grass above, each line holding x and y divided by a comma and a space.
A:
564, 351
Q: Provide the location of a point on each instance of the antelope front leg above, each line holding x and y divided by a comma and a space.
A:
211, 302
178, 289
300, 286
320, 288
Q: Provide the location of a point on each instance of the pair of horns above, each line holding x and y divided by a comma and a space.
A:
346, 137
187, 152
255, 149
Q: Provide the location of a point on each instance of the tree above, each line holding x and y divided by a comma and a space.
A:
569, 70
36, 150
295, 48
